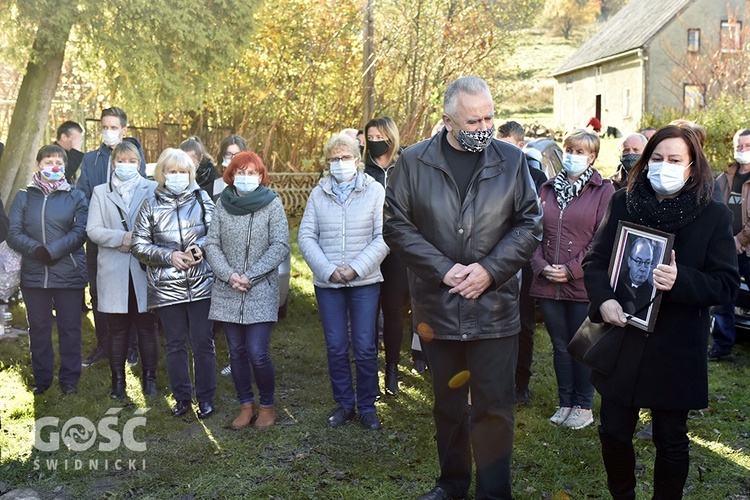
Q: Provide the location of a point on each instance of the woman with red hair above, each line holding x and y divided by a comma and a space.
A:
247, 241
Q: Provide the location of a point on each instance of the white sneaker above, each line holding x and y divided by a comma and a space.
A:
578, 418
227, 370
560, 415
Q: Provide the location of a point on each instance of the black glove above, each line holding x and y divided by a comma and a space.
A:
41, 254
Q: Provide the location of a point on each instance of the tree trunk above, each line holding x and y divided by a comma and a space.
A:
31, 112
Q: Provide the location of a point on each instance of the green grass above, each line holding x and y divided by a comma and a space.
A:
301, 458
529, 90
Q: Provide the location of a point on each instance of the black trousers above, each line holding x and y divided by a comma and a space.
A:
394, 295
618, 424
526, 337
487, 427
145, 325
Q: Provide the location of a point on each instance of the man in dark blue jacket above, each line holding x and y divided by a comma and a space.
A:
95, 170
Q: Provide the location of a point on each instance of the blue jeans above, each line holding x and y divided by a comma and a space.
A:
724, 331
67, 305
183, 322
338, 307
250, 345
562, 318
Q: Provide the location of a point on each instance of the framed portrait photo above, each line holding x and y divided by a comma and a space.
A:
638, 250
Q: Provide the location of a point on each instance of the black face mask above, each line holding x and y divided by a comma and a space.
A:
377, 148
628, 161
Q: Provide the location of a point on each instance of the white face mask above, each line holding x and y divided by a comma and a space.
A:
743, 157
225, 163
245, 184
111, 138
343, 170
575, 164
126, 171
666, 178
177, 183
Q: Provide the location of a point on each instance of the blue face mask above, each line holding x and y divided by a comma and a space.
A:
575, 164
126, 171
177, 183
245, 184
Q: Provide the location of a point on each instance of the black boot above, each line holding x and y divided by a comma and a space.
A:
149, 382
118, 383
118, 348
391, 379
148, 344
619, 461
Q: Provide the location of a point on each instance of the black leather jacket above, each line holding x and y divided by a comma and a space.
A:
498, 225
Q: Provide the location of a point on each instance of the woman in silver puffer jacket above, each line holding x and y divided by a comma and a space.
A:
169, 237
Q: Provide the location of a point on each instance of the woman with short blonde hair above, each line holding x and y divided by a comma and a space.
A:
169, 237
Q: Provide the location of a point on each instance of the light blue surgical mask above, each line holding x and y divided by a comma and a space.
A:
245, 184
177, 183
575, 164
126, 171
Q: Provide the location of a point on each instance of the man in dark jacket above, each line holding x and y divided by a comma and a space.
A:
95, 170
513, 133
632, 147
3, 223
734, 188
70, 138
462, 213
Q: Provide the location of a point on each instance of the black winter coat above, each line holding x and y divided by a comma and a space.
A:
498, 225
57, 221
667, 369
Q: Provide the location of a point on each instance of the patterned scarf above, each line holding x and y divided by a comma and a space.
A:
49, 187
565, 191
670, 214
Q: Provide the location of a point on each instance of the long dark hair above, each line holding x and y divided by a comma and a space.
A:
701, 178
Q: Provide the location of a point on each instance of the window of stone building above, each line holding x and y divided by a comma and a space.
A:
694, 40
730, 36
569, 82
692, 97
598, 73
626, 102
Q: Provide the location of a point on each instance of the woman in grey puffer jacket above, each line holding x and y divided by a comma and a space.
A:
169, 237
341, 239
247, 241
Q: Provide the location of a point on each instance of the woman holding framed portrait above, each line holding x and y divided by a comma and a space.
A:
669, 191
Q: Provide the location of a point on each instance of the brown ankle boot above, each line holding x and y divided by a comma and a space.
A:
266, 417
246, 416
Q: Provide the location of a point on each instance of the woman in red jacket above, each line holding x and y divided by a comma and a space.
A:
573, 202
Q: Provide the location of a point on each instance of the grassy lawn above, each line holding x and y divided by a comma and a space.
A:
301, 458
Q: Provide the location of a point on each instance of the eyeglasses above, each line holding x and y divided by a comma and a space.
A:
229, 155
640, 263
341, 158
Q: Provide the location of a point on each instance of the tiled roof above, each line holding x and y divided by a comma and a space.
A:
631, 28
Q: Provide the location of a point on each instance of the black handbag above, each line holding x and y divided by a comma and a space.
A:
597, 345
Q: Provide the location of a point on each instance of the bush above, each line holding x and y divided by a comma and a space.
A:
721, 118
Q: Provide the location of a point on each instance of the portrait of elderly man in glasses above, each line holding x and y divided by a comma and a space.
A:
634, 285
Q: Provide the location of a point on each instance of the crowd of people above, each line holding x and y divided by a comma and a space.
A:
461, 229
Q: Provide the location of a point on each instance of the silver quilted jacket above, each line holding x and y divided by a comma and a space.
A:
166, 223
332, 233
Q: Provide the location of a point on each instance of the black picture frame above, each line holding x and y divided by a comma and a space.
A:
638, 250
